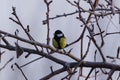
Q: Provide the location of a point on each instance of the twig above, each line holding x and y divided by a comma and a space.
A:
53, 73
21, 71
118, 52
99, 49
110, 57
62, 15
102, 40
81, 19
4, 39
71, 3
89, 73
30, 62
111, 33
0, 49
110, 74
47, 22
21, 25
19, 22
6, 63
95, 68
88, 47
85, 23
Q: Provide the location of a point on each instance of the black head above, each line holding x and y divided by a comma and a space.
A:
58, 33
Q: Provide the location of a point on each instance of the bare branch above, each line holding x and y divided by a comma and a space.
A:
6, 63
90, 24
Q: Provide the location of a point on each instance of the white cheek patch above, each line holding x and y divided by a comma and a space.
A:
59, 35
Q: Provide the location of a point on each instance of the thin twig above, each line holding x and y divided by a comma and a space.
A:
47, 18
21, 25
102, 40
110, 74
30, 62
21, 71
95, 43
53, 74
6, 63
89, 73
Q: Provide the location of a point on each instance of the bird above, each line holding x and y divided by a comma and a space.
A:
59, 40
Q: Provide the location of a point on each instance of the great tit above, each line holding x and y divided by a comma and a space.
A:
59, 40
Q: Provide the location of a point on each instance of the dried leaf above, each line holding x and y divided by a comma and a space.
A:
19, 50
